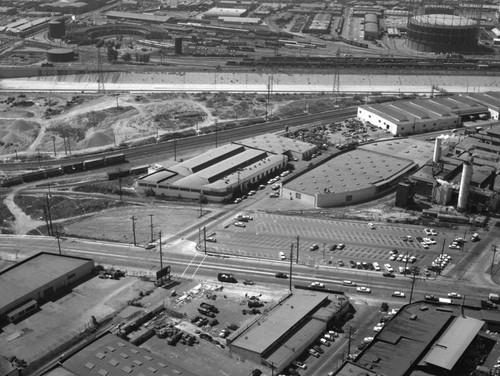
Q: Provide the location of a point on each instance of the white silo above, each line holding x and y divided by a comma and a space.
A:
437, 150
463, 194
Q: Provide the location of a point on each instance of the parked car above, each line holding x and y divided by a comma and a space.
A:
387, 274
398, 294
314, 247
314, 353
239, 224
251, 193
454, 295
341, 263
333, 247
488, 304
211, 239
352, 264
281, 275
150, 246
238, 200
298, 364
371, 225
247, 282
341, 246
282, 256
274, 194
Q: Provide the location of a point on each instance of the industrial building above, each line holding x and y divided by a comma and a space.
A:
420, 115
109, 355
279, 337
442, 33
136, 17
215, 13
490, 99
463, 176
217, 175
348, 178
320, 24
37, 279
427, 338
23, 28
371, 30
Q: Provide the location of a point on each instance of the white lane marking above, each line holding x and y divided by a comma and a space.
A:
199, 266
188, 265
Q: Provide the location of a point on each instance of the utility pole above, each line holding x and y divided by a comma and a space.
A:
442, 251
297, 261
291, 263
120, 186
201, 204
415, 271
494, 249
205, 238
152, 226
215, 124
161, 253
58, 242
133, 228
47, 201
54, 144
175, 149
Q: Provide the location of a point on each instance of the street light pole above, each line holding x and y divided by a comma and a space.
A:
152, 226
291, 263
161, 253
133, 228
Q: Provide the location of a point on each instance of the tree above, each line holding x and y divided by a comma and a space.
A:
384, 307
127, 57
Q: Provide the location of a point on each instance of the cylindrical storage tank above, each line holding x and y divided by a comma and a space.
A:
442, 33
60, 55
57, 29
178, 46
437, 151
463, 194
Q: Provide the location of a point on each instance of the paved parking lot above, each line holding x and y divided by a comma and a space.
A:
268, 234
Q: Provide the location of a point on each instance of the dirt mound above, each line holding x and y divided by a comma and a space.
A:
97, 139
21, 126
14, 114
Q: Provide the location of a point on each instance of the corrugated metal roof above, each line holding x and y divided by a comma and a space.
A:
454, 341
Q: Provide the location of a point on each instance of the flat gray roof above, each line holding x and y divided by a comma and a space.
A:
276, 144
354, 170
112, 356
212, 156
23, 278
409, 149
137, 16
258, 338
454, 341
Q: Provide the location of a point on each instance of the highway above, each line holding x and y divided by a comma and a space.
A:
188, 263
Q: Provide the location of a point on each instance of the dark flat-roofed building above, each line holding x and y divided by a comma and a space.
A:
288, 329
110, 355
348, 178
423, 339
36, 279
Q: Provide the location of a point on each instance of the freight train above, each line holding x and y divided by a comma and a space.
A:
439, 63
86, 165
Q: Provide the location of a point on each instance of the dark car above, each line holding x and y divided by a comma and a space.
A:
387, 274
488, 304
341, 263
281, 275
352, 264
333, 247
318, 349
431, 298
247, 282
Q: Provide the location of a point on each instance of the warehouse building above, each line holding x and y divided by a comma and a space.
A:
371, 30
427, 338
272, 143
490, 99
320, 24
215, 13
218, 174
348, 178
37, 279
420, 115
279, 337
136, 17
109, 355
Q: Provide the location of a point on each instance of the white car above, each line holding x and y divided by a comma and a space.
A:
282, 256
367, 339
454, 295
398, 294
364, 289
378, 327
388, 267
454, 246
318, 285
349, 283
393, 257
433, 232
239, 224
371, 225
428, 231
251, 193
424, 245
